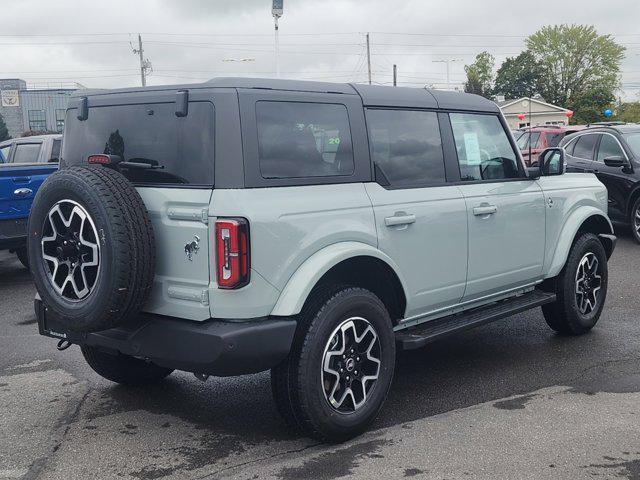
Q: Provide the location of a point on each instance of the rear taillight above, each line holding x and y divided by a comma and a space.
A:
232, 252
99, 159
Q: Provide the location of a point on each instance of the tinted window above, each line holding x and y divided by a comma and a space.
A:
26, 152
303, 140
584, 146
179, 150
609, 147
406, 145
484, 150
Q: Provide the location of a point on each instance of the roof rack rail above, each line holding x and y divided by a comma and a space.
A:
605, 124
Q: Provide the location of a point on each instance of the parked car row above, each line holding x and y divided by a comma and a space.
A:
532, 141
25, 163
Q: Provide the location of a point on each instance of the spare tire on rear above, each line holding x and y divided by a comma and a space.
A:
91, 248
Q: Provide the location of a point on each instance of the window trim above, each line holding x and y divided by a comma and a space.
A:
442, 146
516, 151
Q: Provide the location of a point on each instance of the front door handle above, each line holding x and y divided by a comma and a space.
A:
484, 209
22, 192
400, 218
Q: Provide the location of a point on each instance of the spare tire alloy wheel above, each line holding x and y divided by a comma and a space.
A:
350, 365
70, 250
588, 283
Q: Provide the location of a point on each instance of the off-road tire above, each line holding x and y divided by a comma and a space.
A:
123, 369
296, 382
126, 241
563, 315
634, 220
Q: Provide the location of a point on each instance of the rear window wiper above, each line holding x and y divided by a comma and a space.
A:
142, 163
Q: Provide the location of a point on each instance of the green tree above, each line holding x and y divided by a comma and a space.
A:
578, 68
480, 75
629, 112
518, 77
589, 106
4, 133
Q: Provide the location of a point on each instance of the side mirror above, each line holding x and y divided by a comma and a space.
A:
616, 161
551, 162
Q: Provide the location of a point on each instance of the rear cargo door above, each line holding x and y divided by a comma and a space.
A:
176, 147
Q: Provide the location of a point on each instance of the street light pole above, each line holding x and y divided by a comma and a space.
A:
277, 10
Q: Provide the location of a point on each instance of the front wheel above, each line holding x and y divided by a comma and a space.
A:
341, 365
635, 220
581, 288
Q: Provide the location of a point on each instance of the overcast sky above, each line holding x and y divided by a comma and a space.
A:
194, 40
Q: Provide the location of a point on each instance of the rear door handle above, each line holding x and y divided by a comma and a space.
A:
21, 179
400, 218
22, 192
484, 209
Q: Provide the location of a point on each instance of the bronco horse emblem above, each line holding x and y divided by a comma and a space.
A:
190, 249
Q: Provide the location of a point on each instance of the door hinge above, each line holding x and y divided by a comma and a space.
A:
205, 216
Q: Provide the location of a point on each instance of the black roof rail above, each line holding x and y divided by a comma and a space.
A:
605, 124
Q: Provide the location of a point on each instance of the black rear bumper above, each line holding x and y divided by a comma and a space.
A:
213, 347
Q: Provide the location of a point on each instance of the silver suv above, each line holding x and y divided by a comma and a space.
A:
313, 229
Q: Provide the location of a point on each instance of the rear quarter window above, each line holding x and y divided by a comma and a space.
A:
178, 150
302, 140
27, 152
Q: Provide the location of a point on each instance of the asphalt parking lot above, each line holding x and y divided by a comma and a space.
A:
509, 400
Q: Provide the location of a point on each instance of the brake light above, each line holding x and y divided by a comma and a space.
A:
99, 159
232, 252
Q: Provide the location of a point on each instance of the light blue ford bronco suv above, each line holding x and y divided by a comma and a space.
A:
312, 229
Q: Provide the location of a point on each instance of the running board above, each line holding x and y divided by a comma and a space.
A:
420, 335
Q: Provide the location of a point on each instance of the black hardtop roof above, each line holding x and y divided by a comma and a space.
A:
372, 95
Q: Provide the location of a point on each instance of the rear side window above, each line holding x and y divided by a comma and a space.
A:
584, 146
55, 151
483, 147
553, 139
406, 146
171, 149
27, 152
298, 139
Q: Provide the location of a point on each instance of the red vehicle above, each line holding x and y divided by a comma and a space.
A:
541, 137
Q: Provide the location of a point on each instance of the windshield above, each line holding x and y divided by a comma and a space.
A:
633, 140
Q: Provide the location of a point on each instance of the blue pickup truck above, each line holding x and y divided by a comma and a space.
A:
24, 164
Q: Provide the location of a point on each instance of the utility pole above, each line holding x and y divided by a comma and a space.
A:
145, 65
448, 61
395, 75
368, 58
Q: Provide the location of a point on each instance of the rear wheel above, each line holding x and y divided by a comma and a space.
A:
340, 368
123, 368
635, 220
581, 288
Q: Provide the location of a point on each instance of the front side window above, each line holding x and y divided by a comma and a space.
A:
298, 140
609, 147
27, 153
483, 147
160, 147
37, 121
633, 140
584, 146
406, 146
